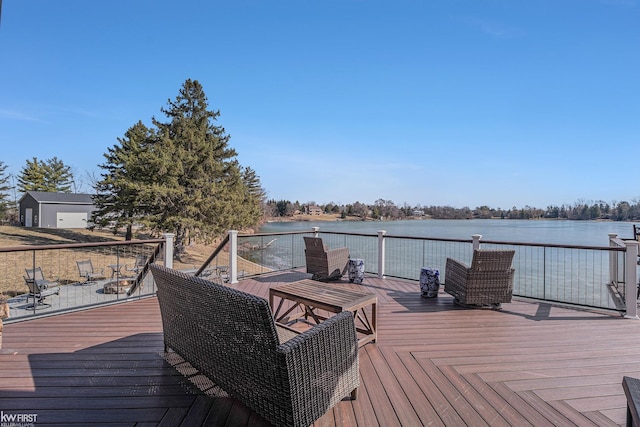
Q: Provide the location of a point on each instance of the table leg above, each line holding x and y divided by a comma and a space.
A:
368, 326
374, 320
271, 301
309, 312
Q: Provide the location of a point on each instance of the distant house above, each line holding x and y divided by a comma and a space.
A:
55, 210
314, 210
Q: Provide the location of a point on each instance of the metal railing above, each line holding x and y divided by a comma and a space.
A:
623, 272
571, 274
591, 276
114, 264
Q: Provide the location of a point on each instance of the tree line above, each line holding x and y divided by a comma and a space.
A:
387, 209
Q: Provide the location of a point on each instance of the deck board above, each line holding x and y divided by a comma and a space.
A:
434, 363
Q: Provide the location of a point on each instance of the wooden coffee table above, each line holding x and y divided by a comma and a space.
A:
310, 297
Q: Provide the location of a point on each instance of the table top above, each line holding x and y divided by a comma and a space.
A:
331, 297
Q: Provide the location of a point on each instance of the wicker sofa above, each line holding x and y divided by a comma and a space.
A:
230, 337
489, 280
324, 263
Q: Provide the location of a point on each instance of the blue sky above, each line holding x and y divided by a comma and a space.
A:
441, 102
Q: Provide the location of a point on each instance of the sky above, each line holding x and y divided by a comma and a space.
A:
441, 102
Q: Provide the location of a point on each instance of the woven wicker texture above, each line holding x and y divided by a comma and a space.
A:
631, 387
489, 280
324, 263
231, 338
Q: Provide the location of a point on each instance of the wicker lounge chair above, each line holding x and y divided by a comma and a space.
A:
231, 338
86, 270
39, 287
324, 263
489, 280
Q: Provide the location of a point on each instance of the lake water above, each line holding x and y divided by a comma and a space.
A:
593, 233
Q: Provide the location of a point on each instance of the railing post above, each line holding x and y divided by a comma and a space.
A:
476, 241
613, 262
631, 279
33, 266
233, 256
315, 231
168, 249
381, 244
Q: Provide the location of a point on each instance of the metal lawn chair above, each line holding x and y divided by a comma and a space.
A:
40, 287
86, 270
141, 261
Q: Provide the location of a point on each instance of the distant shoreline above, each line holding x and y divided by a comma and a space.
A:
338, 218
309, 218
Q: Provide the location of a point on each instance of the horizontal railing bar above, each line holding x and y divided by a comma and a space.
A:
445, 239
25, 248
344, 233
436, 239
555, 245
277, 233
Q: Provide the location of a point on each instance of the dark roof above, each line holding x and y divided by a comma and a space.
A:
70, 198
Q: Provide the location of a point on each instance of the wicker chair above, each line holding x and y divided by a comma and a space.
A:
231, 338
489, 280
323, 263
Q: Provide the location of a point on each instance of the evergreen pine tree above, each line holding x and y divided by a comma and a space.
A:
52, 175
255, 197
4, 190
179, 177
199, 191
58, 175
32, 177
117, 200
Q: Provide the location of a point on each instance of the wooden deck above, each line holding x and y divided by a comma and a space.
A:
434, 364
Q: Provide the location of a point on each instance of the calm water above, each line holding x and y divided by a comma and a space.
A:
538, 231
